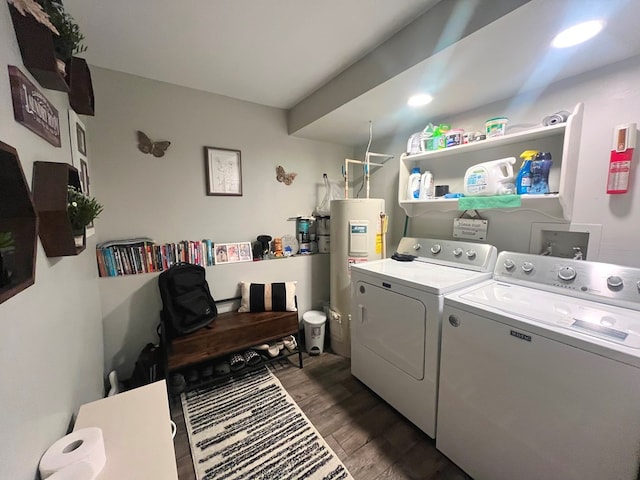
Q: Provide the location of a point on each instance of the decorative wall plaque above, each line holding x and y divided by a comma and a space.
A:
32, 109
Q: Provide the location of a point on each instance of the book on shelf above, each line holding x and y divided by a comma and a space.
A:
142, 255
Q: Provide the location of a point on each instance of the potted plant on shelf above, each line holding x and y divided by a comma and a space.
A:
69, 39
6, 248
67, 44
82, 210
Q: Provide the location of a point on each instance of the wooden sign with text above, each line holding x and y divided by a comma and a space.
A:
32, 109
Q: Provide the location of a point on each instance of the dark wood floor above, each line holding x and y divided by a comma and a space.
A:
373, 440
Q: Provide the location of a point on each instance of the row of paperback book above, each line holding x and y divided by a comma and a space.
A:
143, 255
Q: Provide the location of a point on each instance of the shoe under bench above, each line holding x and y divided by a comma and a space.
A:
230, 332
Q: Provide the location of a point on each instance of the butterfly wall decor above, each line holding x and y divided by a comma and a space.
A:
145, 145
285, 178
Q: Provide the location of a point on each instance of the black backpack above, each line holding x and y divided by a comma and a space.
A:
187, 304
148, 367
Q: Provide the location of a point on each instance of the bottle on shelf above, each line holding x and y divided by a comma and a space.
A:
426, 186
413, 185
523, 180
540, 166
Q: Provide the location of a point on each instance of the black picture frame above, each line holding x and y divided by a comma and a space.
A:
223, 168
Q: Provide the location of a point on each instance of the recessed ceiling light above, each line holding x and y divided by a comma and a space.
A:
419, 100
577, 34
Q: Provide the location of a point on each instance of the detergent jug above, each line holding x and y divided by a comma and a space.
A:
490, 178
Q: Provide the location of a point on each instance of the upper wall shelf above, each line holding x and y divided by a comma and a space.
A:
17, 216
495, 142
449, 165
36, 47
37, 50
50, 182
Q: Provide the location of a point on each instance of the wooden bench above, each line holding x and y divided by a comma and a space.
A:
231, 332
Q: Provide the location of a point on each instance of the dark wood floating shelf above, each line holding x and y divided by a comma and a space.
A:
81, 88
38, 55
36, 47
18, 216
50, 182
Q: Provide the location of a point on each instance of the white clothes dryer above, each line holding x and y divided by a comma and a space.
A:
540, 372
396, 310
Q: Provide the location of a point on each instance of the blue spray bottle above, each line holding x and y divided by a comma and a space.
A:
523, 180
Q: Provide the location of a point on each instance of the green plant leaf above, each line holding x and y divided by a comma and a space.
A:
6, 240
82, 210
69, 41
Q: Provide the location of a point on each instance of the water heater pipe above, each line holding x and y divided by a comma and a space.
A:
367, 164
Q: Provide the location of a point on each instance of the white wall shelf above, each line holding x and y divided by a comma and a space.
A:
420, 207
450, 164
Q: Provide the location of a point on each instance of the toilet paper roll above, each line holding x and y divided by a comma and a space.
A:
83, 445
554, 119
75, 471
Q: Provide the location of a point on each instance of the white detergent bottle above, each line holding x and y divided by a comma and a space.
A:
413, 185
427, 188
490, 178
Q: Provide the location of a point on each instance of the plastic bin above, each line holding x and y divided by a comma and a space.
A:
314, 322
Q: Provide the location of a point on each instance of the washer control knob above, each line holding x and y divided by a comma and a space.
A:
454, 321
638, 285
457, 251
527, 267
417, 246
567, 273
436, 249
471, 254
614, 282
509, 264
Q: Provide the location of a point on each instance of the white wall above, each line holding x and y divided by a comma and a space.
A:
611, 96
51, 348
164, 198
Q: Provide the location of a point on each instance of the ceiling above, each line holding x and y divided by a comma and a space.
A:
336, 65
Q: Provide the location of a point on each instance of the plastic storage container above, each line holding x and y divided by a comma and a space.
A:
314, 321
495, 127
453, 137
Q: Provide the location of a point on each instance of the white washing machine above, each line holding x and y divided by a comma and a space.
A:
396, 316
540, 372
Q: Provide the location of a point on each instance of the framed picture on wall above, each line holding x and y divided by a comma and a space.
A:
233, 252
78, 137
81, 139
78, 140
221, 253
244, 251
224, 171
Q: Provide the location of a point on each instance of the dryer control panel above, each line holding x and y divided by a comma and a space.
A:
480, 257
602, 282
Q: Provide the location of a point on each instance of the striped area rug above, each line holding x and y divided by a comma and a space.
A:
251, 428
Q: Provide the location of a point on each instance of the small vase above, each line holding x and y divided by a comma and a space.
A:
78, 238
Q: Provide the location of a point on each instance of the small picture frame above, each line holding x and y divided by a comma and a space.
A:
244, 250
81, 139
78, 137
221, 255
232, 252
224, 171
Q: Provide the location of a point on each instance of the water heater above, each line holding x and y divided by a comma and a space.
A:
357, 235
